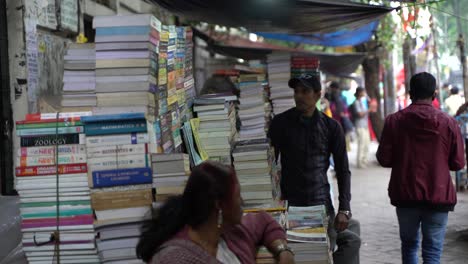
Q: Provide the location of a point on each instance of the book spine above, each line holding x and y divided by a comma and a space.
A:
31, 125
51, 170
53, 116
122, 199
117, 150
133, 138
50, 140
115, 128
118, 162
49, 131
50, 150
110, 178
50, 160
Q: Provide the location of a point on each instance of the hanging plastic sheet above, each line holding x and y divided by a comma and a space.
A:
345, 37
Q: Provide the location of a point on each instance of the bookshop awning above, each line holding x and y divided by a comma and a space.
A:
338, 64
345, 37
279, 16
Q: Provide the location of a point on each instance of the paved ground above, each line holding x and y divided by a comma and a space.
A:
379, 226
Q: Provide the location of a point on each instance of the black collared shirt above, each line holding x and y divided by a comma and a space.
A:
305, 145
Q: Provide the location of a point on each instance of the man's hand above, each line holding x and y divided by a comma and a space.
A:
286, 257
341, 222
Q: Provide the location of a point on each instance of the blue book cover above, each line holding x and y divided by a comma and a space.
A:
116, 31
108, 178
114, 117
116, 127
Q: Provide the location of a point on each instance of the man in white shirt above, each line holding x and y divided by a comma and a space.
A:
454, 101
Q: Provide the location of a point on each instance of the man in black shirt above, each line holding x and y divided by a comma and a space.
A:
304, 138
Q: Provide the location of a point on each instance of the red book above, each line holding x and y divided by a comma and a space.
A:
51, 170
41, 121
68, 221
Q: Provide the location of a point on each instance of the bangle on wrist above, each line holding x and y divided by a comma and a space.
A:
282, 248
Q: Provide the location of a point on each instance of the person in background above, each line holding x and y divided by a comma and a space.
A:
445, 91
305, 138
421, 144
205, 225
340, 112
454, 101
362, 127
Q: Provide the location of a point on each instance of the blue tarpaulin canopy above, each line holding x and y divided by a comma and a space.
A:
345, 37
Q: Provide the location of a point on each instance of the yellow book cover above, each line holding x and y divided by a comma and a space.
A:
195, 123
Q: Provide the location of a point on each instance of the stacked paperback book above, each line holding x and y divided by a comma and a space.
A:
252, 162
170, 174
279, 73
53, 187
217, 128
127, 62
307, 234
253, 107
79, 79
119, 174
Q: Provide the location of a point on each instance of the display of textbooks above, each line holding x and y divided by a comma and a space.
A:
119, 173
52, 177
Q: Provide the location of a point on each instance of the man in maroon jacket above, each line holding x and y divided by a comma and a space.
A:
421, 144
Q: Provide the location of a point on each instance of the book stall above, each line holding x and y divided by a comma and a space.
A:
88, 179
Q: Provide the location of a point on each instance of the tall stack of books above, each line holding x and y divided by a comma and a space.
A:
79, 81
217, 130
279, 73
163, 124
120, 177
252, 162
189, 82
170, 174
127, 62
307, 234
253, 107
180, 72
53, 151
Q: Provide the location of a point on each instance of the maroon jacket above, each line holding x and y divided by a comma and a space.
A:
243, 240
421, 144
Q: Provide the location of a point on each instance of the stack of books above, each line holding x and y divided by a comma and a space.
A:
307, 234
127, 62
303, 64
120, 177
53, 151
170, 174
252, 162
79, 81
118, 239
253, 107
279, 73
189, 82
217, 129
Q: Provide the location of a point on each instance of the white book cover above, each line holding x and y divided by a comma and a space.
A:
117, 243
95, 152
122, 139
103, 215
118, 162
79, 79
50, 150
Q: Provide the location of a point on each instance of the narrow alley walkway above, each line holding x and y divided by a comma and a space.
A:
379, 226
